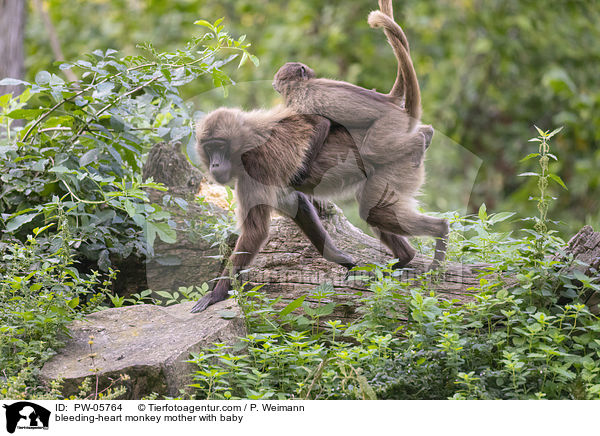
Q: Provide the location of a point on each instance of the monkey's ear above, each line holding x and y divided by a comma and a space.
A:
303, 72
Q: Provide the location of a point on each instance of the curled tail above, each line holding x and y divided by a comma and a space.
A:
412, 90
397, 91
385, 6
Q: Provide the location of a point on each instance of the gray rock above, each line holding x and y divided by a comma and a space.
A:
148, 343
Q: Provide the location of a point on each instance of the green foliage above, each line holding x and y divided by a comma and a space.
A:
41, 291
84, 143
288, 356
72, 193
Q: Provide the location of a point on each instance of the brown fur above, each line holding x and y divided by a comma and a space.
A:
277, 156
268, 152
390, 127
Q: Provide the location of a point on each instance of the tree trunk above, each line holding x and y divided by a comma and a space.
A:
12, 23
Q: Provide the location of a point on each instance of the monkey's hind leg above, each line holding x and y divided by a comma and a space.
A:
398, 245
398, 216
385, 141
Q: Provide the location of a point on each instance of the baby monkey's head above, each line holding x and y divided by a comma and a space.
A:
290, 73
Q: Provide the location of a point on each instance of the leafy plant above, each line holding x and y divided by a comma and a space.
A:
41, 291
84, 142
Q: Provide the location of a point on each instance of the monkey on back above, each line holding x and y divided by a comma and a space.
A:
389, 127
280, 159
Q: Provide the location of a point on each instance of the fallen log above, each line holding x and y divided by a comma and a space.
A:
289, 266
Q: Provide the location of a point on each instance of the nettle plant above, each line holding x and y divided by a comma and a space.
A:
83, 143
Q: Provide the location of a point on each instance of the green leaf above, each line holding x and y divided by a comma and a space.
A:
540, 131
243, 60
25, 114
499, 217
117, 123
89, 156
204, 23
163, 230
308, 310
558, 180
580, 276
129, 207
482, 212
529, 156
554, 132
164, 294
59, 169
103, 89
254, 60
72, 303
325, 310
12, 82
19, 220
502, 294
4, 99
292, 306
63, 120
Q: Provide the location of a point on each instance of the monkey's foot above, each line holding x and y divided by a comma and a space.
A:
434, 266
427, 132
208, 300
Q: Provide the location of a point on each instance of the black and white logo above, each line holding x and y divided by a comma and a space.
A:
26, 415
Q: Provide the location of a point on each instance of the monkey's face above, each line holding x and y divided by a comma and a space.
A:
290, 73
218, 146
217, 153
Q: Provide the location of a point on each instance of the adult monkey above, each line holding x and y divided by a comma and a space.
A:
268, 153
390, 127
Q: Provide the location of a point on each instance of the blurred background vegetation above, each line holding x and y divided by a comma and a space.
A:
489, 70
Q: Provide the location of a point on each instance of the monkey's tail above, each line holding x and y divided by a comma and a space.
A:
386, 7
412, 92
397, 91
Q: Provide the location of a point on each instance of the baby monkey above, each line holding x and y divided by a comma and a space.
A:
390, 128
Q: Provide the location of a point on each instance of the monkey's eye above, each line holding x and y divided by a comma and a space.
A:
214, 145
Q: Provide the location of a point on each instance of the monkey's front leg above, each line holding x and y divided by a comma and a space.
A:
255, 230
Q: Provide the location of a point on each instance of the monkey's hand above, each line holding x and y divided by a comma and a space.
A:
219, 293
